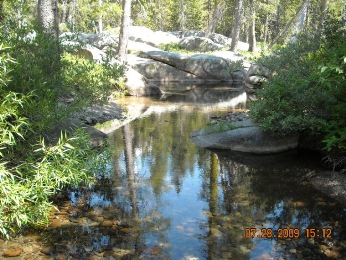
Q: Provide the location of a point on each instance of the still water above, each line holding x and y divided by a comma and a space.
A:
159, 196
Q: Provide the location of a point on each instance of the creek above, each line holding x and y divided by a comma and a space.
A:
161, 197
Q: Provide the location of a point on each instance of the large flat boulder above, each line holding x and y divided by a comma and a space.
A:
245, 137
160, 72
170, 58
207, 66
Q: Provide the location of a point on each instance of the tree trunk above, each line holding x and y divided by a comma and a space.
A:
252, 33
288, 25
1, 10
48, 16
265, 33
236, 25
100, 18
124, 30
182, 16
218, 13
323, 15
71, 14
301, 21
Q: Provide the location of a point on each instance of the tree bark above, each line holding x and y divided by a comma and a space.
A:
252, 32
100, 18
265, 33
1, 10
218, 13
288, 25
182, 16
301, 20
323, 15
48, 16
236, 25
124, 30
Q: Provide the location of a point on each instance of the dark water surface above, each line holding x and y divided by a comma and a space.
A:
161, 197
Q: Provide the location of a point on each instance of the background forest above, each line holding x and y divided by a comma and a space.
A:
303, 41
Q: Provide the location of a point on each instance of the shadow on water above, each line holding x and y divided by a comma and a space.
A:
158, 196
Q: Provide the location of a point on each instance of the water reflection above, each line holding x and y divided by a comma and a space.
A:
159, 196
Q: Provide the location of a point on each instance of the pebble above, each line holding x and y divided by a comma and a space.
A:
47, 250
12, 252
293, 251
107, 223
56, 223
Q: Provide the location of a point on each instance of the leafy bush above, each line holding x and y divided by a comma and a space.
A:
307, 93
33, 83
88, 82
49, 78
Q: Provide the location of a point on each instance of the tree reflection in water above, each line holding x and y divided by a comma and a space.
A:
162, 197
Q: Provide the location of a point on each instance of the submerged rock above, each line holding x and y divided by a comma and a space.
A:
245, 137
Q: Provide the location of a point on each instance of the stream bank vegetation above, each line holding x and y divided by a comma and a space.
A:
41, 88
307, 94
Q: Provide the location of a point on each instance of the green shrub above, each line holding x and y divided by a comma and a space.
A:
34, 80
50, 78
307, 93
88, 82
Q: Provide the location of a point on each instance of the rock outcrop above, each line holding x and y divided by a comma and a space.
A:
202, 44
204, 66
137, 85
156, 71
256, 75
245, 137
155, 65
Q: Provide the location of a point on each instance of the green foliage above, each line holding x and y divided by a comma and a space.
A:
50, 79
308, 90
88, 82
219, 126
26, 190
34, 85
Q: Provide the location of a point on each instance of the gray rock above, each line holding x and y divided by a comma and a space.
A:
145, 35
104, 39
170, 58
258, 70
91, 53
134, 46
229, 55
137, 85
246, 137
238, 76
202, 44
256, 80
160, 72
220, 39
332, 184
207, 67
193, 33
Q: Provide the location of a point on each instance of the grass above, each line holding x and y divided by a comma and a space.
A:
219, 126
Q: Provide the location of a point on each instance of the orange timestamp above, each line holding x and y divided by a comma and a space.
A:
283, 233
